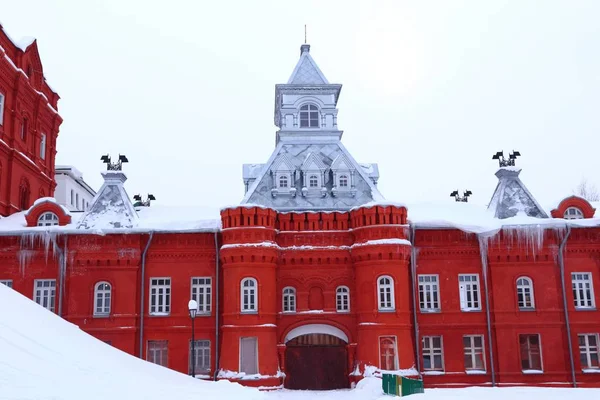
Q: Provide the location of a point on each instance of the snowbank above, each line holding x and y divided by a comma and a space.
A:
44, 357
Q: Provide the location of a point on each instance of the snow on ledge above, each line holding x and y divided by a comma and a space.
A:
380, 204
226, 374
532, 371
434, 372
372, 371
475, 372
382, 241
591, 370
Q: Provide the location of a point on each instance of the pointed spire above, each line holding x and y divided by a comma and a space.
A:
512, 198
307, 72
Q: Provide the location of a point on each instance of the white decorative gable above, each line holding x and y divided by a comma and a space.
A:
313, 176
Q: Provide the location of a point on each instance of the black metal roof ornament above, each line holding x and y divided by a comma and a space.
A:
117, 166
140, 203
464, 198
506, 162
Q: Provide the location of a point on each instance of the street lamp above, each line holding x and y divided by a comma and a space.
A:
193, 307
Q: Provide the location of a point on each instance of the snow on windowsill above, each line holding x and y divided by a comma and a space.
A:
532, 371
159, 314
591, 370
434, 372
475, 372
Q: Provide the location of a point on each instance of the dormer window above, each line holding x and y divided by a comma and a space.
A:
343, 181
309, 116
283, 181
313, 181
47, 219
573, 213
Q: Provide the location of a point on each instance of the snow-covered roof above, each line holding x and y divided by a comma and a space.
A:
512, 198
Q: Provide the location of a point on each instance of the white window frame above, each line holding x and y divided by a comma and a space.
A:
201, 356
588, 350
346, 178
42, 292
524, 284
249, 291
288, 299
201, 291
529, 352
429, 292
394, 339
43, 146
313, 178
342, 299
472, 351
105, 296
160, 354
466, 290
6, 282
43, 219
161, 294
284, 178
573, 213
583, 290
310, 110
2, 101
385, 294
430, 352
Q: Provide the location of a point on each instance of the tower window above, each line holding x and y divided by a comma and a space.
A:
43, 147
344, 181
313, 181
283, 181
309, 116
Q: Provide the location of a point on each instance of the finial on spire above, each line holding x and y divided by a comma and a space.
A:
304, 33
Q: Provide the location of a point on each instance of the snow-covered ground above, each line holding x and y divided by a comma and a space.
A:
43, 357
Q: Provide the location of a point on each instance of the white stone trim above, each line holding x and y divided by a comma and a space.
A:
316, 328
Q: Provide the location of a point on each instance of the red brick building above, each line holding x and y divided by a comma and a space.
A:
315, 281
29, 124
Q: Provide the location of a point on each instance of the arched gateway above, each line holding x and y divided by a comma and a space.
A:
316, 358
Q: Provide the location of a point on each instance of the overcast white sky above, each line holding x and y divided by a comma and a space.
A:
431, 89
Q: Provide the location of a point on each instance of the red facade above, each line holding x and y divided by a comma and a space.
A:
29, 124
292, 312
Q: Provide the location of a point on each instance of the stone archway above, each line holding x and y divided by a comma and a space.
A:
316, 358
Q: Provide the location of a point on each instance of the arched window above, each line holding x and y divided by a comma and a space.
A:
309, 116
24, 192
573, 213
313, 181
525, 293
47, 219
388, 353
385, 289
289, 299
249, 295
342, 299
283, 181
102, 297
343, 180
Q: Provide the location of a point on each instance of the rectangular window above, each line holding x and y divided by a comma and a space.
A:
468, 286
249, 355
388, 353
43, 147
202, 292
77, 201
160, 296
44, 293
583, 290
1, 109
589, 351
6, 282
473, 352
433, 356
429, 293
158, 352
531, 352
201, 356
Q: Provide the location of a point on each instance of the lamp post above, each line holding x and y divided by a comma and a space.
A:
193, 308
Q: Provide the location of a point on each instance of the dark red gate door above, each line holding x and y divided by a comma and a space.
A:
318, 366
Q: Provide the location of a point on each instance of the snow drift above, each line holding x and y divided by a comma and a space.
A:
44, 357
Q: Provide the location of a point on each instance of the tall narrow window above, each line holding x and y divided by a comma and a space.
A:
473, 352
45, 293
24, 129
160, 296
77, 201
2, 109
72, 197
102, 296
342, 299
588, 351
202, 292
201, 356
43, 147
249, 295
289, 299
343, 181
468, 286
47, 219
309, 116
313, 181
583, 290
388, 353
157, 352
525, 293
385, 287
531, 353
249, 355
429, 293
6, 282
24, 192
433, 356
